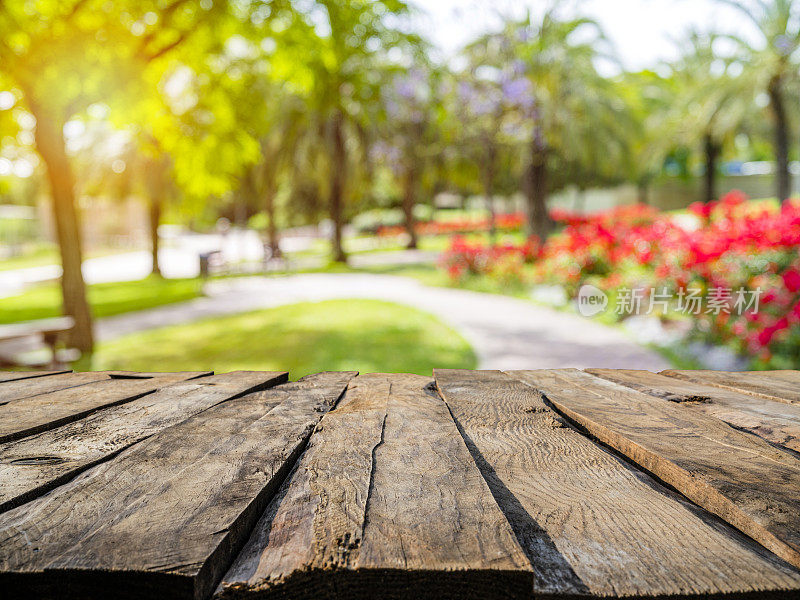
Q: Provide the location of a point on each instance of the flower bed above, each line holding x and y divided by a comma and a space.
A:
503, 222
740, 257
503, 263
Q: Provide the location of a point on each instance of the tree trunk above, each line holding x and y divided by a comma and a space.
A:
781, 138
409, 198
539, 222
580, 201
272, 227
339, 163
50, 145
156, 208
488, 190
643, 190
712, 152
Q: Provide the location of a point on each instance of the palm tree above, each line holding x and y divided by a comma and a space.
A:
650, 99
771, 65
709, 105
481, 109
278, 146
346, 62
571, 109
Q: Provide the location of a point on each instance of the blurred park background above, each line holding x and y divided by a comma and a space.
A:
394, 186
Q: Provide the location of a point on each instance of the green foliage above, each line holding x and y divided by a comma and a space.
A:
544, 71
233, 108
237, 98
338, 335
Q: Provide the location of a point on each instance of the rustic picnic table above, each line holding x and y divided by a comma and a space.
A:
471, 484
45, 331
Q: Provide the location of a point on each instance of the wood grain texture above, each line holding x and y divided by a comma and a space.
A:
776, 422
781, 386
33, 465
739, 477
27, 388
145, 374
593, 525
28, 416
385, 503
6, 376
165, 517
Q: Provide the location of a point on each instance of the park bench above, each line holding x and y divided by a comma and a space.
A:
471, 484
210, 263
46, 332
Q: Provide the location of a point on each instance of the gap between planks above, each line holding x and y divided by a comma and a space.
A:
591, 523
80, 394
6, 376
183, 500
386, 500
739, 477
776, 422
33, 465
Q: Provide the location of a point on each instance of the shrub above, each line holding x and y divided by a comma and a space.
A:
725, 246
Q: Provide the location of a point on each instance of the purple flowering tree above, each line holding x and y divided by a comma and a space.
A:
407, 131
492, 107
547, 77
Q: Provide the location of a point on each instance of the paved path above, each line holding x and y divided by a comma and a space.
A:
506, 333
179, 258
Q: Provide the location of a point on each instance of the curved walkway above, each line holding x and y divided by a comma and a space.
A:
506, 333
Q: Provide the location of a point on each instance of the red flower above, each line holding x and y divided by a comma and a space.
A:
701, 209
738, 247
796, 312
791, 279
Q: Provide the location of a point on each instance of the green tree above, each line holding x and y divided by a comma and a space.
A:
273, 69
572, 113
771, 65
648, 98
408, 134
64, 56
709, 104
480, 109
160, 188
347, 55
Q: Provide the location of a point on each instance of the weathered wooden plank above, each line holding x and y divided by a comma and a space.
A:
782, 386
739, 477
27, 416
385, 502
776, 422
27, 388
33, 465
6, 376
22, 388
165, 517
591, 523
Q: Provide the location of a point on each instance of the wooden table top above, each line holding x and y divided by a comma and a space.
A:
470, 484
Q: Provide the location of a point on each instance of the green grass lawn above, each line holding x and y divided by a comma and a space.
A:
107, 299
335, 335
45, 254
36, 256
